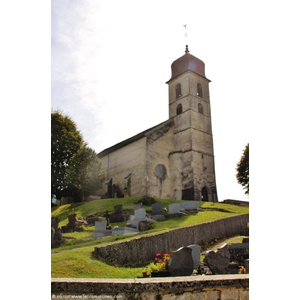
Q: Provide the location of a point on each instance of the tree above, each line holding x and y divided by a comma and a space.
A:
242, 169
85, 171
65, 142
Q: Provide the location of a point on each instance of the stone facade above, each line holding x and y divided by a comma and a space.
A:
174, 159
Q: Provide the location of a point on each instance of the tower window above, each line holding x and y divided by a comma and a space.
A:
199, 90
179, 109
200, 108
178, 90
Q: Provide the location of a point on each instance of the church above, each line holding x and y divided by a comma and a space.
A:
174, 159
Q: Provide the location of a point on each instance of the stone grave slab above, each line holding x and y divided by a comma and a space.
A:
218, 261
100, 229
239, 252
174, 208
181, 262
196, 252
118, 215
118, 209
189, 205
139, 215
157, 209
92, 220
143, 225
138, 206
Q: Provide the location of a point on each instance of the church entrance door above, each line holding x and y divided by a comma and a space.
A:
188, 194
204, 194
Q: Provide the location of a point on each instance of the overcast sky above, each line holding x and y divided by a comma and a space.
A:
111, 60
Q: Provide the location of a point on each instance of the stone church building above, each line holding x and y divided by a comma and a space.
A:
174, 159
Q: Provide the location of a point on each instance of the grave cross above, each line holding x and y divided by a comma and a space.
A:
107, 218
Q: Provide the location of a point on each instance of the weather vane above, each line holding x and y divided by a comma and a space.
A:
185, 30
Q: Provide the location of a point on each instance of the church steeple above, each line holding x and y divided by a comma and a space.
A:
185, 63
189, 105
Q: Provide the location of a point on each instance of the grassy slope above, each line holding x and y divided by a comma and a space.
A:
84, 209
79, 261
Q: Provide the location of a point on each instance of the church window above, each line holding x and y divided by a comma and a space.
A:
160, 171
178, 90
200, 108
179, 109
199, 90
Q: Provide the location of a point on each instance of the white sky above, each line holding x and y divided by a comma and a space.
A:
111, 59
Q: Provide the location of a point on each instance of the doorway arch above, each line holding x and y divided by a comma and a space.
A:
204, 194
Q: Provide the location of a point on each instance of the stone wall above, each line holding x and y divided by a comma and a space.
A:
236, 202
142, 250
122, 161
223, 287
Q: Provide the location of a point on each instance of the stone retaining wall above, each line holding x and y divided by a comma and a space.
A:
223, 287
142, 250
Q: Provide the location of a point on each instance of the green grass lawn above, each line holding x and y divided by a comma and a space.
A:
74, 259
100, 206
79, 263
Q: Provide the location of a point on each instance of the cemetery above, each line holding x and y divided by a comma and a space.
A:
123, 240
140, 247
163, 250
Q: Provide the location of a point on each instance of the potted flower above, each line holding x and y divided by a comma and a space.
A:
145, 272
162, 265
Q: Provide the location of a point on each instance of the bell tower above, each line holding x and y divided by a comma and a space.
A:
189, 104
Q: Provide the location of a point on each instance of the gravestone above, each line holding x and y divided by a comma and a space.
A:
196, 252
138, 206
247, 265
218, 261
57, 231
139, 215
143, 225
189, 205
70, 227
56, 236
119, 209
92, 220
72, 220
118, 215
181, 262
157, 209
100, 229
174, 208
239, 252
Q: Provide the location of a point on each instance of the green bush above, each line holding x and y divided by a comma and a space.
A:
147, 201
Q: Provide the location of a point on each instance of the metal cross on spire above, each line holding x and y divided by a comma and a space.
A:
186, 35
185, 30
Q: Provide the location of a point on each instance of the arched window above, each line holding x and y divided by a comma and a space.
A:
200, 108
178, 90
179, 109
199, 90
